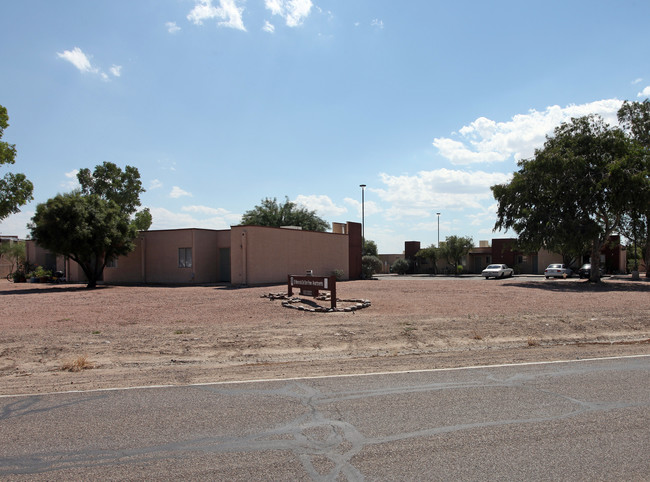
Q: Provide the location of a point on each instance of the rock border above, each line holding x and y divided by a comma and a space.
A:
294, 303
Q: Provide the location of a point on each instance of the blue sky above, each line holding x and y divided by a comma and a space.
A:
222, 103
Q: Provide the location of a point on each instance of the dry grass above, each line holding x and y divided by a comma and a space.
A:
78, 364
533, 341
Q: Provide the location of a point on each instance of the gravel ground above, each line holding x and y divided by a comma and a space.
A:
65, 337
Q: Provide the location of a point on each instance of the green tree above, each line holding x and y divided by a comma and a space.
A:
370, 265
87, 228
400, 266
142, 220
431, 254
270, 213
634, 118
14, 252
570, 196
110, 182
15, 189
370, 248
455, 248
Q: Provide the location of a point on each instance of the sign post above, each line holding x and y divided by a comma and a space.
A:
312, 285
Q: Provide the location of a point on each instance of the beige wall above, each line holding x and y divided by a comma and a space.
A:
545, 257
129, 268
257, 255
261, 255
155, 259
41, 257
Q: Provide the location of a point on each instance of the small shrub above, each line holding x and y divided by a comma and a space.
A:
339, 274
532, 341
400, 266
78, 364
41, 272
370, 265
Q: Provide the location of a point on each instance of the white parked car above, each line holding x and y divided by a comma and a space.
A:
497, 271
557, 271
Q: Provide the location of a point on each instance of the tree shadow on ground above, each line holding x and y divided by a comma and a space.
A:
585, 286
52, 289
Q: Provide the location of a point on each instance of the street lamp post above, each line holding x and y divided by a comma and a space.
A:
438, 214
363, 216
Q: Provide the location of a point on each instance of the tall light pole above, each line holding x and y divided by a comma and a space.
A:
438, 214
363, 216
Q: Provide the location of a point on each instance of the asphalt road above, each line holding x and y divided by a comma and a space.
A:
581, 420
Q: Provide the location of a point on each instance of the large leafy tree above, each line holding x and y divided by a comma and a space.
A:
455, 248
110, 182
94, 224
431, 254
274, 214
87, 228
15, 189
570, 197
634, 118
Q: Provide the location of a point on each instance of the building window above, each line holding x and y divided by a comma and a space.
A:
111, 263
184, 257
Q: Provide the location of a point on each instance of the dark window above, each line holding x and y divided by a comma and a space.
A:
184, 257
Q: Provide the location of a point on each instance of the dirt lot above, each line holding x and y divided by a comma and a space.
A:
132, 336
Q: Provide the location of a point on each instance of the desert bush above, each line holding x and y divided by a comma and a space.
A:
78, 364
400, 266
370, 265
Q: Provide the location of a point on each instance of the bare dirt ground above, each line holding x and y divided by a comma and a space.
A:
124, 336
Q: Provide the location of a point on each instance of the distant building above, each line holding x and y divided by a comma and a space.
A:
503, 251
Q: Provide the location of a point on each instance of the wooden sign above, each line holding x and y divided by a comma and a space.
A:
313, 285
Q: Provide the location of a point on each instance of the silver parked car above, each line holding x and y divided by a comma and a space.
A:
497, 271
557, 271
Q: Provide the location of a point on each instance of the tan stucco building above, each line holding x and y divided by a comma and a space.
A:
241, 255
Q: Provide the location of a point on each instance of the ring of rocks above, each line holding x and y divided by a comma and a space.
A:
297, 303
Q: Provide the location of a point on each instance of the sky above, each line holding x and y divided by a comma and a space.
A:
222, 103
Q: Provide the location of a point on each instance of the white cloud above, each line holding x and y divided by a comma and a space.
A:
485, 140
177, 192
172, 27
228, 12
79, 59
72, 182
155, 184
369, 207
431, 191
193, 217
82, 62
377, 23
294, 12
637, 81
16, 224
205, 210
322, 204
268, 27
645, 92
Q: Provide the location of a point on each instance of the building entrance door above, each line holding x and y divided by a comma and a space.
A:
224, 265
